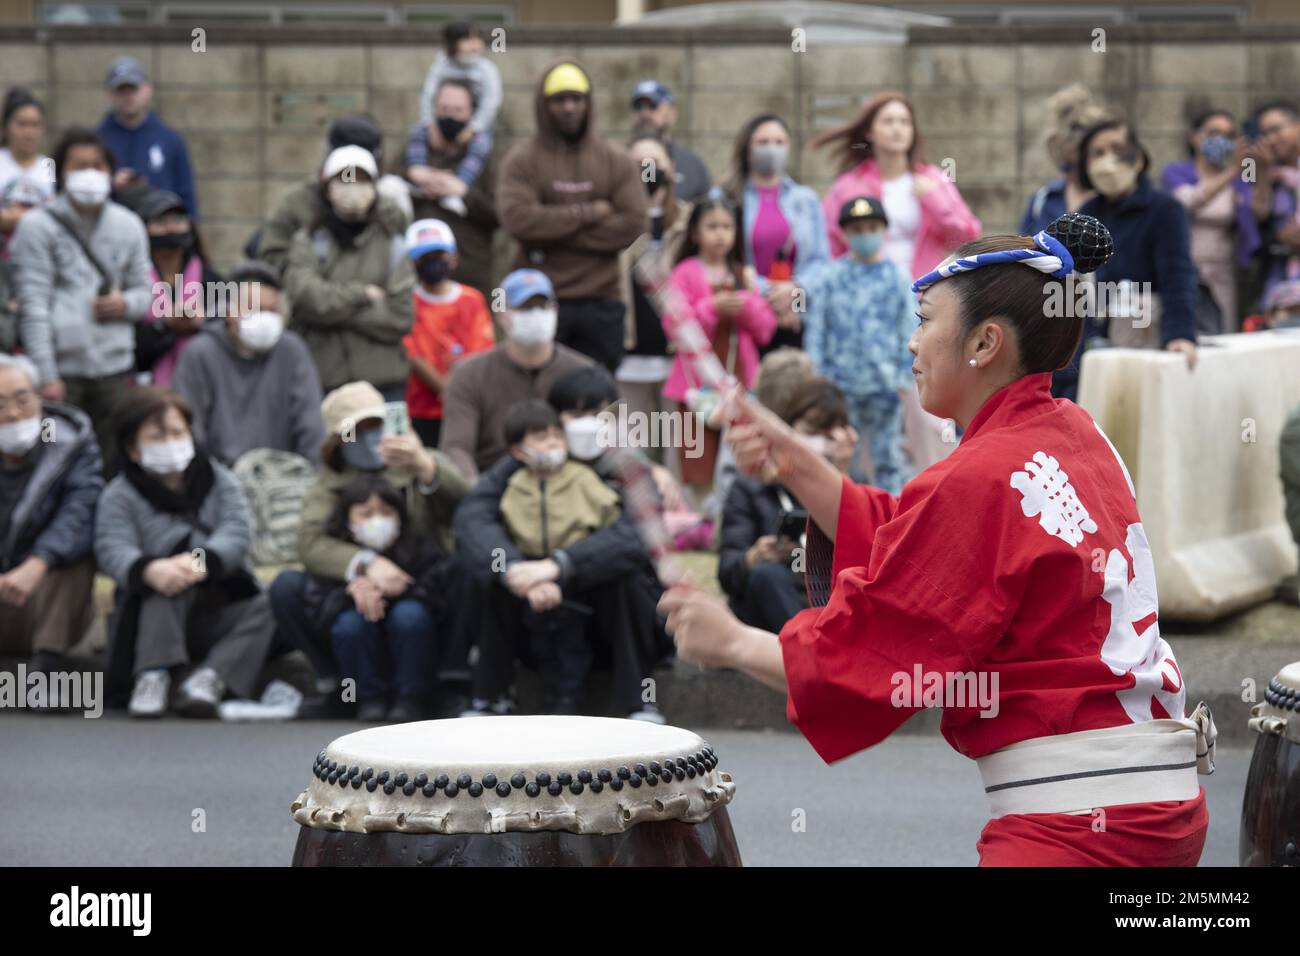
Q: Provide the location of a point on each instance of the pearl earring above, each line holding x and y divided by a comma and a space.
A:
972, 363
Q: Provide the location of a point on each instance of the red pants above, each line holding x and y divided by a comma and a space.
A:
1137, 834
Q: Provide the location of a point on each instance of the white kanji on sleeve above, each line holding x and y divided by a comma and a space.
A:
1046, 491
1133, 644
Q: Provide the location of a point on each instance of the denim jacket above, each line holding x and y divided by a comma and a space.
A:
802, 210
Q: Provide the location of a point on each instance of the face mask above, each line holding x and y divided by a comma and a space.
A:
533, 326
363, 453
548, 461
173, 240
450, 128
88, 187
18, 438
769, 158
1217, 150
432, 271
351, 201
378, 532
168, 457
261, 330
1112, 177
865, 244
583, 436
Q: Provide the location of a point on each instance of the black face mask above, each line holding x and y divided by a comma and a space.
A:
432, 271
450, 128
173, 240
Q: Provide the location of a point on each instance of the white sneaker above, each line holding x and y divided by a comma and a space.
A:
149, 697
200, 694
650, 714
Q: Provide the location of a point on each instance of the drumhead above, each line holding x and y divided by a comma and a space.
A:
493, 774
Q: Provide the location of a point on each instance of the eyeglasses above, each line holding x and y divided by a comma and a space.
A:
22, 399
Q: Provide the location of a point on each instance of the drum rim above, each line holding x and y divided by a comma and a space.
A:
613, 796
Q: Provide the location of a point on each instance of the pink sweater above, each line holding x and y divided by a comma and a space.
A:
755, 324
946, 221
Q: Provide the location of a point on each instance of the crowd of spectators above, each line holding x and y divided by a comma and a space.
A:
412, 432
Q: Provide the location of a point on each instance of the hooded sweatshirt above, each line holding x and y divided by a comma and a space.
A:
544, 199
271, 400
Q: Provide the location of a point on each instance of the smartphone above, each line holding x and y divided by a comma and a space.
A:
397, 421
1250, 129
791, 524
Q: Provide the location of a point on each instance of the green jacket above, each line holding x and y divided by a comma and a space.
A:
351, 337
430, 514
300, 208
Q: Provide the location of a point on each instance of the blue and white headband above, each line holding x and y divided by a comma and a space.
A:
1050, 257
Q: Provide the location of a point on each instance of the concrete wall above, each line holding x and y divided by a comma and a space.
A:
254, 106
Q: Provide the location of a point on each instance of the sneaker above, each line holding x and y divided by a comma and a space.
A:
200, 693
405, 710
372, 711
149, 697
480, 707
650, 714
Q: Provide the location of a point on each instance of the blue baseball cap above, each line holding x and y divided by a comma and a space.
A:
522, 284
651, 90
125, 71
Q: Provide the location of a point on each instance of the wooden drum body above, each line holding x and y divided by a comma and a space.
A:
517, 791
1270, 813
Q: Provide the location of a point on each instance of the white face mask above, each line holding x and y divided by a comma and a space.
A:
351, 201
583, 436
18, 438
378, 532
88, 187
533, 326
261, 330
168, 457
549, 461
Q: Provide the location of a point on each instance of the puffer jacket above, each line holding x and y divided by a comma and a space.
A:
55, 517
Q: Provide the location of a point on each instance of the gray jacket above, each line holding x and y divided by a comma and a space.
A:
57, 286
130, 532
55, 517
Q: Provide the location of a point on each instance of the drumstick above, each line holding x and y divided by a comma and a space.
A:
640, 494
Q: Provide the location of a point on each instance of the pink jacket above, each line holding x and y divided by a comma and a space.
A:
946, 221
755, 324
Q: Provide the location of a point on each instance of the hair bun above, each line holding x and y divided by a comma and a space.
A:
1088, 241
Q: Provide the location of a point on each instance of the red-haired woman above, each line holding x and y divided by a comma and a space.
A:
879, 154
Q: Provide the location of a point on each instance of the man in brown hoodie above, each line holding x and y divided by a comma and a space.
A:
574, 201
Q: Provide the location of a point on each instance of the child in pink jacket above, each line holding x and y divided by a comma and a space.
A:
711, 284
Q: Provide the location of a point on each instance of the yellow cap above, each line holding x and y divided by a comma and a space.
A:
566, 78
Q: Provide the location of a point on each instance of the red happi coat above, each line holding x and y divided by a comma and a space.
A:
1022, 553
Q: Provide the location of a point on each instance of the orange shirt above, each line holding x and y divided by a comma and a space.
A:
443, 332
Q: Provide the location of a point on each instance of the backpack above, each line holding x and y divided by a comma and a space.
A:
274, 483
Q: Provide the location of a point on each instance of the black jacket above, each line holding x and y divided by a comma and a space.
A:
324, 599
751, 510
55, 517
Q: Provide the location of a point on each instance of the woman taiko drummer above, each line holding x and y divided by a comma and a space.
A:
1018, 563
